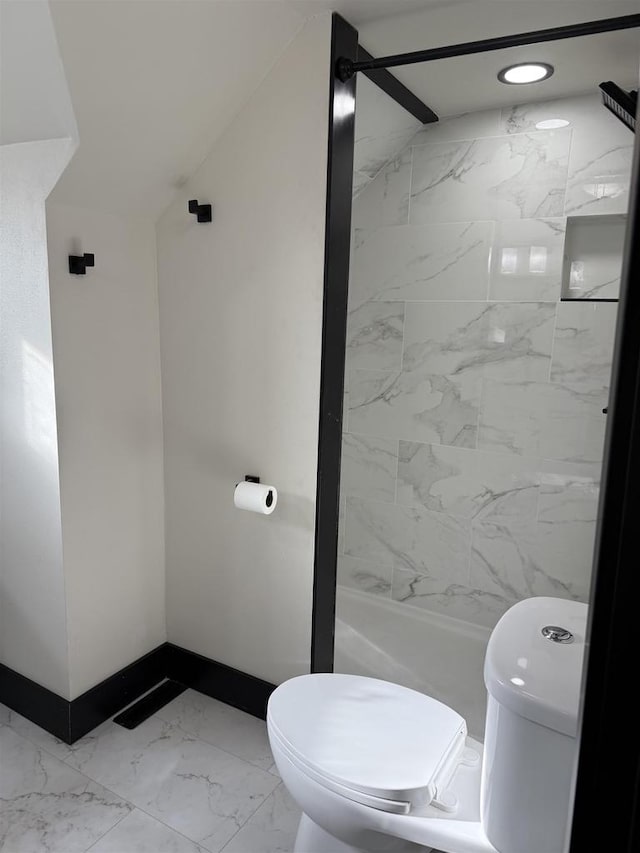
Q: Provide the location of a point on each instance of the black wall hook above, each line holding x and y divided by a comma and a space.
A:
202, 211
78, 263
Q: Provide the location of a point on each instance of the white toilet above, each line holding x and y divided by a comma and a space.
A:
378, 767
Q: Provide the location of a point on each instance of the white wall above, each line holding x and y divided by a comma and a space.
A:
34, 98
39, 134
240, 319
107, 366
33, 636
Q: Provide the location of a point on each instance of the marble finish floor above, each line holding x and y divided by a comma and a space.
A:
197, 777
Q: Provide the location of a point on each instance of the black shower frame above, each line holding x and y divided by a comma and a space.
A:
607, 785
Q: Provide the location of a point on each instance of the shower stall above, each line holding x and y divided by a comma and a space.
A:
485, 262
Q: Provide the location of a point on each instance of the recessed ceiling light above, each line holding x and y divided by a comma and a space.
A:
525, 72
552, 124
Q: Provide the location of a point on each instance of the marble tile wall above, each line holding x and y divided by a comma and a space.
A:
473, 427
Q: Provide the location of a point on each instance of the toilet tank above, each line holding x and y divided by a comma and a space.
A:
533, 673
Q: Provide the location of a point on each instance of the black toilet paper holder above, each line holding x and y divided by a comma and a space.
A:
250, 478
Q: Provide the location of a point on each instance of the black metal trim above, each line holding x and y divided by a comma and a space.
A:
585, 299
344, 42
384, 80
346, 68
219, 681
609, 747
151, 702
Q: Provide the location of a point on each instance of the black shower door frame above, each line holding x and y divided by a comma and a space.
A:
606, 814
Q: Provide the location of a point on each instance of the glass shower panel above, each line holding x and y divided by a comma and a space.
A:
478, 362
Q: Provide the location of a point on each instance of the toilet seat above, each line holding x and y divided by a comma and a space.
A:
376, 743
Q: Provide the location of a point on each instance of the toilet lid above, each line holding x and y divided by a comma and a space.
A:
367, 735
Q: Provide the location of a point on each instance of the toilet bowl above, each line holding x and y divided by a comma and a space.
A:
379, 767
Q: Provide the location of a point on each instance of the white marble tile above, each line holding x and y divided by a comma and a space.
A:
501, 340
467, 483
414, 406
600, 153
548, 420
364, 575
521, 560
464, 126
140, 833
508, 177
360, 181
599, 167
568, 498
385, 199
374, 335
576, 110
272, 829
35, 734
219, 724
594, 249
383, 128
456, 600
583, 345
369, 467
429, 543
192, 786
421, 263
46, 806
526, 260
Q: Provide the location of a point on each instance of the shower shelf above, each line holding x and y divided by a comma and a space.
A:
593, 251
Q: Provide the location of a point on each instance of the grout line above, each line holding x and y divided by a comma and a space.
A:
117, 823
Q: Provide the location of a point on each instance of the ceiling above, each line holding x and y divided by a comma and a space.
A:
464, 84
155, 82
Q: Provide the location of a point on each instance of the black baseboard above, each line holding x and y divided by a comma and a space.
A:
69, 721
114, 693
219, 681
43, 707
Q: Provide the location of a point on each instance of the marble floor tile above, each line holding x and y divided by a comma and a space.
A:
364, 575
385, 200
34, 733
48, 807
369, 467
271, 829
456, 600
140, 833
430, 543
439, 261
221, 725
374, 336
193, 787
526, 260
414, 406
583, 345
467, 483
508, 177
547, 420
500, 340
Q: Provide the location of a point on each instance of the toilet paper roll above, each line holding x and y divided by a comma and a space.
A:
255, 497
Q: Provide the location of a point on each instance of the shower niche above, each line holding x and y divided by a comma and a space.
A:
593, 257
